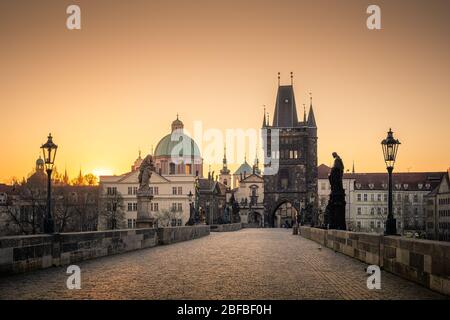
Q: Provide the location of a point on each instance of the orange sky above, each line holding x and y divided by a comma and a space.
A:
115, 86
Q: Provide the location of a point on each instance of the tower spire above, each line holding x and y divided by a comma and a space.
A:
304, 113
264, 117
292, 78
353, 169
311, 118
279, 78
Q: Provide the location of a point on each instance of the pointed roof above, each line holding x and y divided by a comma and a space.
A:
285, 108
264, 118
225, 169
311, 118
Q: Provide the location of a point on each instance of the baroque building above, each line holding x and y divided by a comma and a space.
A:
290, 162
178, 165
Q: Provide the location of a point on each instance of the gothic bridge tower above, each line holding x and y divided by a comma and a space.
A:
291, 191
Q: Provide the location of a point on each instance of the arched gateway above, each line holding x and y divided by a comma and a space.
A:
283, 215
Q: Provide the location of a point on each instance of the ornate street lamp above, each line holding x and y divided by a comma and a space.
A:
390, 148
49, 151
191, 209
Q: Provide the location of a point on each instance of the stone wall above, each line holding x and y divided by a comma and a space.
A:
177, 234
423, 261
226, 227
26, 253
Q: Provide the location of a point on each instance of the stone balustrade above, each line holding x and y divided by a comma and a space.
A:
226, 227
26, 253
423, 261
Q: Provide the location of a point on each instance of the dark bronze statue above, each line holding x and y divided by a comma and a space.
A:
335, 211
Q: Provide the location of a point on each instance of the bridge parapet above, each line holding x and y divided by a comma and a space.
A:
20, 254
423, 261
226, 227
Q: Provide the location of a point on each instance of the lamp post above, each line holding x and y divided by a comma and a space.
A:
49, 151
390, 148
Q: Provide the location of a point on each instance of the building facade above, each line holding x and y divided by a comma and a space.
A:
367, 196
438, 211
290, 161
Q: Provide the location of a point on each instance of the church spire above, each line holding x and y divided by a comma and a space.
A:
353, 169
264, 117
279, 79
311, 118
292, 78
304, 113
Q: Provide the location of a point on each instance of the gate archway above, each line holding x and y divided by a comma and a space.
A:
284, 215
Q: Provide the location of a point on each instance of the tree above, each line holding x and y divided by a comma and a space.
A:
90, 179
165, 217
25, 210
112, 211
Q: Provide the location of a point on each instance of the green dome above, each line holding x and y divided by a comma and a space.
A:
244, 168
177, 145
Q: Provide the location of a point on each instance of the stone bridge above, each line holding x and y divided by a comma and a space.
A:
245, 264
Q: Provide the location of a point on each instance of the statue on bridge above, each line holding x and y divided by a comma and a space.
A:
144, 196
335, 211
145, 173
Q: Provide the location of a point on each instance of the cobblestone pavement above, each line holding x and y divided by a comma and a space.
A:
247, 264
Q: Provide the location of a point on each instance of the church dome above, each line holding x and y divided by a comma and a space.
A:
177, 145
39, 162
245, 168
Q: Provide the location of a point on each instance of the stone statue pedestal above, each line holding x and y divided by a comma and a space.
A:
144, 215
335, 211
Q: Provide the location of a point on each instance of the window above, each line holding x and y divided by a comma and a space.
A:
180, 190
173, 222
188, 168
130, 223
359, 211
378, 224
155, 206
358, 224
180, 207
385, 196
372, 211
130, 190
372, 224
378, 210
134, 223
365, 196
111, 191
416, 198
379, 197
174, 190
129, 206
172, 168
135, 206
174, 207
151, 190
156, 190
135, 189
359, 197
372, 197
179, 222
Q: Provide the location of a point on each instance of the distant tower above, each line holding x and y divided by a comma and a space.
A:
295, 182
225, 176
